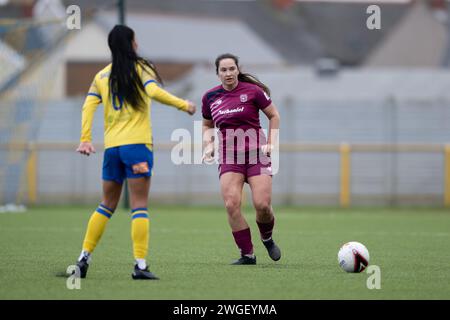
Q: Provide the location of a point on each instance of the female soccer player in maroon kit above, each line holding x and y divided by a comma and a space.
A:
233, 107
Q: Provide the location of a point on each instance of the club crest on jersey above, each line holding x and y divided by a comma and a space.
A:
244, 98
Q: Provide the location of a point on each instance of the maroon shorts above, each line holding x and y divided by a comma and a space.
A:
248, 166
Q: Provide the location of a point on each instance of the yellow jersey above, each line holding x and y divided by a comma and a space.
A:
122, 124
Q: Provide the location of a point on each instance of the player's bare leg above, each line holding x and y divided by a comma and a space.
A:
261, 187
111, 194
231, 184
139, 189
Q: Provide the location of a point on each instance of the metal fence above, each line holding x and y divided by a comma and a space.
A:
326, 174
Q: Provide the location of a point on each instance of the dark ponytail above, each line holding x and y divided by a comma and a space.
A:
124, 81
244, 77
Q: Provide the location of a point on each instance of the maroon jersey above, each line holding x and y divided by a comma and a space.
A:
234, 110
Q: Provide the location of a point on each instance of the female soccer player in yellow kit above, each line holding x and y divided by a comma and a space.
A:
125, 88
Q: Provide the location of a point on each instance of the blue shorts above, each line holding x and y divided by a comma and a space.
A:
128, 161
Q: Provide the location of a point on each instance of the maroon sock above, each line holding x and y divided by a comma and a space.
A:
265, 229
243, 239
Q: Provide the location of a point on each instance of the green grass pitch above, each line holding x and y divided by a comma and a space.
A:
191, 248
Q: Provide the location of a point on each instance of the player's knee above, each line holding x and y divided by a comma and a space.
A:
232, 205
263, 207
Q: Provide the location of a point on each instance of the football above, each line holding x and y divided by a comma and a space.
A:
353, 257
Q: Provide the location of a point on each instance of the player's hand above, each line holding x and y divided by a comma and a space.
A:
191, 108
86, 148
266, 149
208, 154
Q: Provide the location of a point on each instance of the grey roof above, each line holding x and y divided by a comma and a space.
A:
342, 29
301, 34
194, 39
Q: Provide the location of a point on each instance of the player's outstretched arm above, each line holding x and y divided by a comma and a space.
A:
163, 96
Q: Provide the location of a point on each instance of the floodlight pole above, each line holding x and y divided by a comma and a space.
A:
121, 11
446, 61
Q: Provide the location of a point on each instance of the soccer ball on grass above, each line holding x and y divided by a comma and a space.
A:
353, 257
